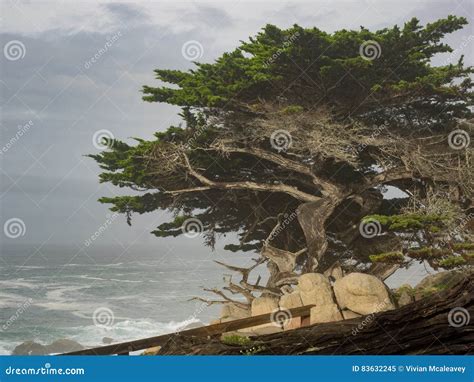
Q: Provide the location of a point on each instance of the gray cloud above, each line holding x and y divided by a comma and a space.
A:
46, 180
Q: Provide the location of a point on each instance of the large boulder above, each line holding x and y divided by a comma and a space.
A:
232, 310
315, 289
30, 348
63, 346
325, 313
263, 305
335, 272
362, 294
60, 346
289, 301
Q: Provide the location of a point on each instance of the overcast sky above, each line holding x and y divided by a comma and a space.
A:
59, 98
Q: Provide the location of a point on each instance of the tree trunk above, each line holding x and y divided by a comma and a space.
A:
422, 327
312, 218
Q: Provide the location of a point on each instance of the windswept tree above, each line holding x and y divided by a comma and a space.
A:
291, 140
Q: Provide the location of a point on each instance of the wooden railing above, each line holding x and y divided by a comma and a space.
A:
125, 348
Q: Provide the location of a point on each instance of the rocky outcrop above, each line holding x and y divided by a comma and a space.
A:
289, 301
232, 310
315, 289
59, 346
362, 294
262, 305
325, 313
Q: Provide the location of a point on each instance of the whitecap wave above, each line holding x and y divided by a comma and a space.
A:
128, 330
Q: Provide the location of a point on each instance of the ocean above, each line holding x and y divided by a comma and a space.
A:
61, 292
57, 293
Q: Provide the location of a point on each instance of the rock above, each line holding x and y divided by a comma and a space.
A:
362, 293
335, 271
292, 300
59, 346
30, 348
262, 305
289, 301
234, 311
63, 346
349, 314
405, 299
152, 351
107, 340
437, 282
315, 289
325, 313
404, 295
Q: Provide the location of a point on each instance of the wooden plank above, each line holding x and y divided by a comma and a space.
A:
205, 331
